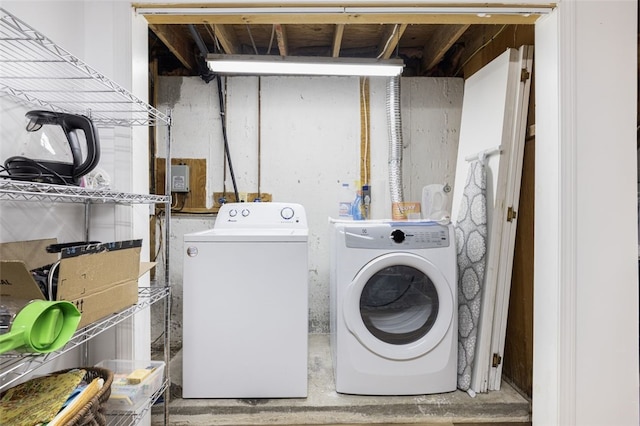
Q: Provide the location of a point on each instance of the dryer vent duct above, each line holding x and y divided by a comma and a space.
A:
394, 124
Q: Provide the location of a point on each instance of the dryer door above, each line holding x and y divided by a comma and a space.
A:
399, 305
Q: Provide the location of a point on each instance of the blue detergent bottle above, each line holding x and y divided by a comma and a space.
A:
356, 207
345, 198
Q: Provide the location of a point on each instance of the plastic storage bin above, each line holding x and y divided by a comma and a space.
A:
126, 394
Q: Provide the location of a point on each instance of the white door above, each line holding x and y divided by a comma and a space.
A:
493, 110
512, 200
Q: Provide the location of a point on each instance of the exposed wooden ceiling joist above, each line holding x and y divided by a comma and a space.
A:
337, 40
430, 43
440, 42
177, 42
343, 18
227, 38
281, 36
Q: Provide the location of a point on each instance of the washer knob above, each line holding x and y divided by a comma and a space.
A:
245, 212
397, 236
233, 212
287, 213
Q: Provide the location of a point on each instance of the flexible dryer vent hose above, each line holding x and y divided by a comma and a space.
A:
394, 123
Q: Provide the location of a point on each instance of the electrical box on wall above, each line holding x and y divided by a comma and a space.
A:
179, 178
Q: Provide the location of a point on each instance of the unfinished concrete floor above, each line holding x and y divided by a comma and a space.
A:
325, 406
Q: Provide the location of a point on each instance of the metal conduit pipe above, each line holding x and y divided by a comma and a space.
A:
394, 124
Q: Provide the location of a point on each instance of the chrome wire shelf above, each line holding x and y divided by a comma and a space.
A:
35, 70
32, 191
15, 366
118, 418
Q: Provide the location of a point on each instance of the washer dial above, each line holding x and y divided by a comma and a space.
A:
287, 213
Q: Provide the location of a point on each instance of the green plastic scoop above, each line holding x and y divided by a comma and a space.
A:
41, 326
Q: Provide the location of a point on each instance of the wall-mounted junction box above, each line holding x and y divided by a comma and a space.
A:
179, 178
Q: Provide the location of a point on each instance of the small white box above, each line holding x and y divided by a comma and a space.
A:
130, 397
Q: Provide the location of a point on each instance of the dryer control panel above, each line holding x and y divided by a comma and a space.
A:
397, 235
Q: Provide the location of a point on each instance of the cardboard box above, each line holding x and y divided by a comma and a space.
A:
406, 210
100, 279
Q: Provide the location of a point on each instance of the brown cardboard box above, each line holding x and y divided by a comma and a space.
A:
405, 210
99, 279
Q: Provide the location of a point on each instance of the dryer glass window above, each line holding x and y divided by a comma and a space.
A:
399, 304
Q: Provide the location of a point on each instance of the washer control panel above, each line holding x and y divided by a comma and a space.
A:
261, 215
397, 235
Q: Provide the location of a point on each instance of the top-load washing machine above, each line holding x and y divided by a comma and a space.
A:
393, 306
245, 308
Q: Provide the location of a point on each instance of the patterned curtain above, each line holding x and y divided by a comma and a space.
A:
471, 243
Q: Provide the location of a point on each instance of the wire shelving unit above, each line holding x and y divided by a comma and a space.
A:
36, 71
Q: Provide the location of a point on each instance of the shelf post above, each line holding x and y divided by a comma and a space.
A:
167, 279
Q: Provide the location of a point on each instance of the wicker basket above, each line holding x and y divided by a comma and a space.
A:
93, 413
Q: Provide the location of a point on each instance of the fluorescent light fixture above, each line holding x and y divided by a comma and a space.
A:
299, 65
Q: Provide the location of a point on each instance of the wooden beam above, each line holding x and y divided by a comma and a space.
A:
390, 40
227, 38
365, 132
209, 17
281, 36
176, 41
441, 41
338, 32
485, 43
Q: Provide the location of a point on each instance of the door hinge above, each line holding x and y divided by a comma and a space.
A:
497, 359
511, 214
524, 75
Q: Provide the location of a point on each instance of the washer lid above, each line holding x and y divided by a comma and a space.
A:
250, 234
399, 306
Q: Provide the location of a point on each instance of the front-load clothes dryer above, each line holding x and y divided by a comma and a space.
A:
245, 309
393, 307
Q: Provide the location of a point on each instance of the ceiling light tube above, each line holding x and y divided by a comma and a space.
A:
299, 65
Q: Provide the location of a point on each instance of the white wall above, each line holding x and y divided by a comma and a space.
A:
48, 221
586, 254
309, 133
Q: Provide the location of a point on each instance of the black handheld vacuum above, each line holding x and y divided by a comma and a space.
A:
58, 172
